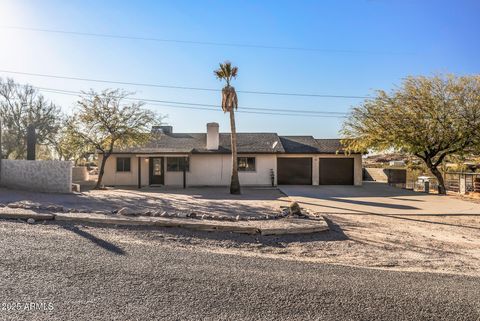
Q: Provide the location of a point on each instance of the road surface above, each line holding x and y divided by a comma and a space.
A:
74, 272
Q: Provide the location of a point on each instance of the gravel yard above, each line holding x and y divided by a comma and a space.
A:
207, 200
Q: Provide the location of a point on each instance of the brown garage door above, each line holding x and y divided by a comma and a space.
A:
336, 171
294, 171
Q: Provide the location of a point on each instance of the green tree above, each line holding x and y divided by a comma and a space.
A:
227, 72
70, 146
104, 122
20, 106
429, 117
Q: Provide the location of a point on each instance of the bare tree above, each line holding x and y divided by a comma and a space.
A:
21, 106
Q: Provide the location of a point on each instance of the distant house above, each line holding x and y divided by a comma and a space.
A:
263, 159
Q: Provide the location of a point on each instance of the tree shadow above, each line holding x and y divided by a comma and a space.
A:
95, 240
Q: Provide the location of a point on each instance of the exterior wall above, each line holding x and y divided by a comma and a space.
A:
215, 170
113, 178
79, 174
40, 176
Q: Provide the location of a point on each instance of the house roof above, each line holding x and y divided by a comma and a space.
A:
262, 143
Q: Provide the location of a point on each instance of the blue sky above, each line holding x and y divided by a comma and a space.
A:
360, 46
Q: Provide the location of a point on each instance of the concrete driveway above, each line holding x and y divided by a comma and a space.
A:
376, 198
381, 226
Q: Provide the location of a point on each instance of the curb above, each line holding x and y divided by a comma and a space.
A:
285, 226
155, 221
26, 216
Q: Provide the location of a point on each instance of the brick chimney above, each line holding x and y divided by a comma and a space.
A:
212, 136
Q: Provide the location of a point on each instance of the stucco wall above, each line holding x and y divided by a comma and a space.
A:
205, 170
112, 177
41, 176
79, 173
215, 170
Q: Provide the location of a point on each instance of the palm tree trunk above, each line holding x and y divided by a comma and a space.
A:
234, 182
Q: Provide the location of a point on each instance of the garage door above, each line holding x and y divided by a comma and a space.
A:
336, 171
294, 171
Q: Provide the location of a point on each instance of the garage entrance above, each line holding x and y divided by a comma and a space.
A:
336, 171
294, 171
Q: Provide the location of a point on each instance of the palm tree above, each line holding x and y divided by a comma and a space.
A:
229, 104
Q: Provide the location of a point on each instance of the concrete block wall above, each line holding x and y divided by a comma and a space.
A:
40, 176
79, 173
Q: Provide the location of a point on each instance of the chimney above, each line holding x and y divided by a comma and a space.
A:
212, 136
162, 129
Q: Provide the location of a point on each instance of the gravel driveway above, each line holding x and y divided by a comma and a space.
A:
108, 274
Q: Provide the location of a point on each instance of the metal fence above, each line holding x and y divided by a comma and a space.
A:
453, 181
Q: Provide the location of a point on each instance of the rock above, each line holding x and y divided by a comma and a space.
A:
52, 207
126, 211
182, 215
164, 214
237, 218
204, 217
294, 209
30, 221
192, 215
25, 205
2, 205
147, 213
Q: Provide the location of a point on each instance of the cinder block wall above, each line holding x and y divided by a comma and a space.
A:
41, 176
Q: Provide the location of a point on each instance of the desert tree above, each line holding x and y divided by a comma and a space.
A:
21, 106
226, 72
68, 145
429, 117
105, 122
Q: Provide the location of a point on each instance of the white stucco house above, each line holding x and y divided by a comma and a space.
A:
264, 159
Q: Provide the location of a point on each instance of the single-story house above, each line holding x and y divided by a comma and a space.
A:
204, 159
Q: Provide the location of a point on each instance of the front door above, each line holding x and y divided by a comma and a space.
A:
156, 171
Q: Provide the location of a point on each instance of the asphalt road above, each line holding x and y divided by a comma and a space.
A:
81, 273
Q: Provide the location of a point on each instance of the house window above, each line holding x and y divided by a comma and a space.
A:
246, 164
123, 164
176, 164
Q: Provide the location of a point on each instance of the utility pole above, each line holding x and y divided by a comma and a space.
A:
31, 142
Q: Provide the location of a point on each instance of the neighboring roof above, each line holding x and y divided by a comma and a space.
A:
265, 143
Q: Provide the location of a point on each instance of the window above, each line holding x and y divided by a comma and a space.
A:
175, 164
123, 164
246, 164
